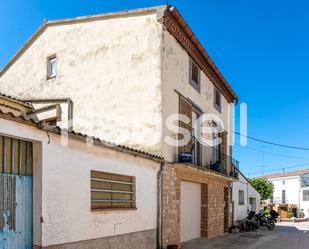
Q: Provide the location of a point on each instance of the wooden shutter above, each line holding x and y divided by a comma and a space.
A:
223, 151
185, 108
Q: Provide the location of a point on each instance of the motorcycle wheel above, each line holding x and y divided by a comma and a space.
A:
271, 225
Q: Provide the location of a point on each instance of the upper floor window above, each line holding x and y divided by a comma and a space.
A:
195, 77
241, 197
51, 67
306, 195
217, 100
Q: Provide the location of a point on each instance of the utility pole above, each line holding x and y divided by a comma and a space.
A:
263, 166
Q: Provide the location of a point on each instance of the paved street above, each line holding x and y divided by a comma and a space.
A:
285, 236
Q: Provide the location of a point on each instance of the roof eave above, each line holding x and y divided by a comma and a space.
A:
232, 97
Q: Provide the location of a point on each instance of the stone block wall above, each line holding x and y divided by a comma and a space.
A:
213, 200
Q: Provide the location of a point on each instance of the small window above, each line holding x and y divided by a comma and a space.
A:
283, 182
194, 76
306, 195
283, 197
217, 100
241, 197
112, 191
51, 67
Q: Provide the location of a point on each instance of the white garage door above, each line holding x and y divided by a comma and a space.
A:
190, 211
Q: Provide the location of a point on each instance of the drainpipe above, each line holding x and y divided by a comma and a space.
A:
159, 208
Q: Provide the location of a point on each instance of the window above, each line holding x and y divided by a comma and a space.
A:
51, 67
194, 76
305, 195
217, 100
111, 191
283, 197
283, 182
215, 145
272, 199
241, 197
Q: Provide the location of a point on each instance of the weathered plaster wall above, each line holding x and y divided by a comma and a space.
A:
111, 70
240, 211
175, 76
66, 193
62, 189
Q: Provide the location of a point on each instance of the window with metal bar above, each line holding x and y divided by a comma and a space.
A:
16, 157
305, 195
110, 191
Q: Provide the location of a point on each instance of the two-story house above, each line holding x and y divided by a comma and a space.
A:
291, 192
121, 77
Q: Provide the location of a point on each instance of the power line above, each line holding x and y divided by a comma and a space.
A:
272, 143
271, 153
278, 169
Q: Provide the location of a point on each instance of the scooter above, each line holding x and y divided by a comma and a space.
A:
274, 215
265, 220
252, 223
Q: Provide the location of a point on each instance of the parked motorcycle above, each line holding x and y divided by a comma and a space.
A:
264, 220
274, 215
252, 222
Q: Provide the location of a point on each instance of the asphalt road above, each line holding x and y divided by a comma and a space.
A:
285, 236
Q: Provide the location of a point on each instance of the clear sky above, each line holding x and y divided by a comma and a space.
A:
261, 47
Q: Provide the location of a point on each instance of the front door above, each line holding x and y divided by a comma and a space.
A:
190, 211
15, 194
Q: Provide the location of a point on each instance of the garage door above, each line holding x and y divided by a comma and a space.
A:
15, 194
190, 211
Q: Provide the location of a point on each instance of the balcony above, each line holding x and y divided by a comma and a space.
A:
210, 158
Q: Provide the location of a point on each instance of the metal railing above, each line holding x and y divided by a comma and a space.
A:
279, 200
208, 157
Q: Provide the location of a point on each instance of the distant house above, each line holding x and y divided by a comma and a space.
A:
245, 198
99, 196
291, 190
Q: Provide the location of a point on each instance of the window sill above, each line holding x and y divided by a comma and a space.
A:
218, 108
197, 87
51, 77
112, 209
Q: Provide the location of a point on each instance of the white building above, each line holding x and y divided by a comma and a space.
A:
99, 196
291, 189
245, 197
119, 77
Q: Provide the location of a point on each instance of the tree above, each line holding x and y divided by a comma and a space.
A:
264, 187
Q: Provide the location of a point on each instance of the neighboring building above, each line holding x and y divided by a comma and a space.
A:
81, 196
120, 76
245, 198
291, 190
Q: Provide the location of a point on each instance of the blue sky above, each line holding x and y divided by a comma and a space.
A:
261, 47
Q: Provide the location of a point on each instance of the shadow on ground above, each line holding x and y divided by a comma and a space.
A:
285, 236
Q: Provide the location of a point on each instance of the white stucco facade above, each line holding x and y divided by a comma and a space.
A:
121, 72
293, 192
110, 68
251, 198
291, 186
175, 81
62, 211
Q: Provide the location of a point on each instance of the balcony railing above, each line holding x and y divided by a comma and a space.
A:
279, 200
208, 157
